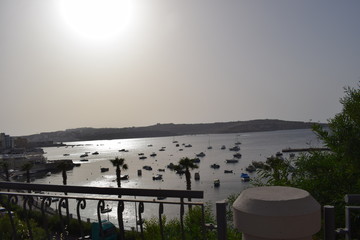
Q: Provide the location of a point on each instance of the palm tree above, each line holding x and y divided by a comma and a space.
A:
26, 167
186, 164
64, 166
119, 163
5, 167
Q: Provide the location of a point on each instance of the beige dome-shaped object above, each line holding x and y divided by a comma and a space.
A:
276, 212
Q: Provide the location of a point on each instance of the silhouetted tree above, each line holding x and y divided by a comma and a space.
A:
185, 164
5, 167
26, 167
63, 167
119, 163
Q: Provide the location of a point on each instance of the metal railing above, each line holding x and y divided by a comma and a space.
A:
39, 197
330, 230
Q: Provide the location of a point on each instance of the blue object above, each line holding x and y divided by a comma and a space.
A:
109, 231
245, 177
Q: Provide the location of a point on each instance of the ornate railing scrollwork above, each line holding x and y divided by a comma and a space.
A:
141, 221
161, 211
81, 204
182, 212
120, 211
42, 196
64, 203
28, 201
11, 200
100, 208
45, 205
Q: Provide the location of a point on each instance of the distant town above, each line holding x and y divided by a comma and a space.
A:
16, 152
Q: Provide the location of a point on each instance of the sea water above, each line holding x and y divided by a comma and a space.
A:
256, 146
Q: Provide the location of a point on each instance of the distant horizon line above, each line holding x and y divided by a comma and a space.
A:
170, 123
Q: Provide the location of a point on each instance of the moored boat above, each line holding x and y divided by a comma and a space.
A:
235, 148
215, 166
146, 167
157, 177
106, 210
202, 154
232, 160
197, 176
124, 177
250, 168
237, 155
245, 177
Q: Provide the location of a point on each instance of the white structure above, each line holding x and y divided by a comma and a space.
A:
276, 212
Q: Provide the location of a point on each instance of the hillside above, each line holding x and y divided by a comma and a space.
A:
159, 130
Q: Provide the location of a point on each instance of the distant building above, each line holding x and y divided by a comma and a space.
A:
20, 142
6, 141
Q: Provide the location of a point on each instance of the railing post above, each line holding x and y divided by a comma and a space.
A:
221, 219
329, 224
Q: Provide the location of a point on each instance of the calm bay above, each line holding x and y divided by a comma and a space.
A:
256, 146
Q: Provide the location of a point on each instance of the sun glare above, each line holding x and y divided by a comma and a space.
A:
96, 19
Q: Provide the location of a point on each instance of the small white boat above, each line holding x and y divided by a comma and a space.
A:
157, 177
124, 177
106, 210
216, 183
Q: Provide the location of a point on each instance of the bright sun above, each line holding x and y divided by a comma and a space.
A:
96, 19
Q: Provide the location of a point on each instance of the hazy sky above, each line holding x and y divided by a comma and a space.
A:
144, 62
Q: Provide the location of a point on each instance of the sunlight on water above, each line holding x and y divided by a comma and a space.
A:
254, 146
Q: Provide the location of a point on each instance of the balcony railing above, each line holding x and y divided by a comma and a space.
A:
352, 202
40, 197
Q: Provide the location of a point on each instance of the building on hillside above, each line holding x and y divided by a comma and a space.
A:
6, 142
